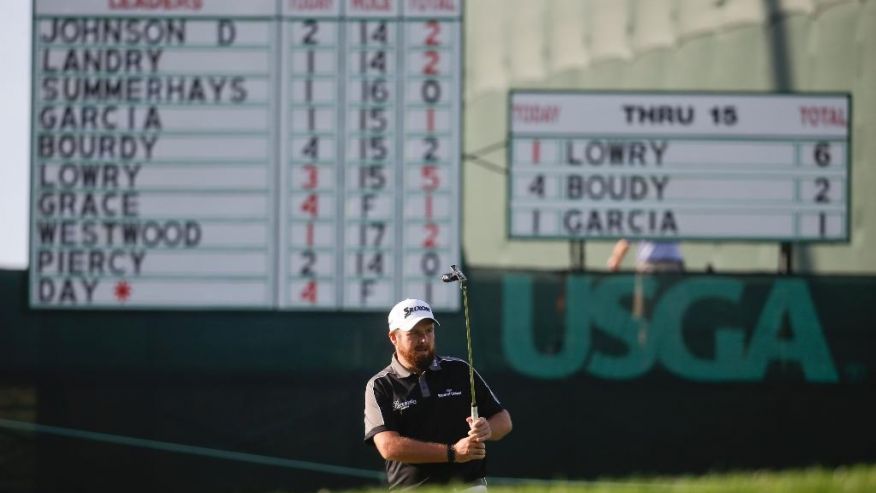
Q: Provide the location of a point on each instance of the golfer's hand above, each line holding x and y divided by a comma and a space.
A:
468, 448
479, 429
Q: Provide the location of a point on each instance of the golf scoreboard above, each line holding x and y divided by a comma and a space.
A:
267, 154
679, 166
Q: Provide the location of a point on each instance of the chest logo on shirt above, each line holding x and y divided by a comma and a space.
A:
450, 393
402, 405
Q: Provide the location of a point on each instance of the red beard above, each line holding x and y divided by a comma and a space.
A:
422, 359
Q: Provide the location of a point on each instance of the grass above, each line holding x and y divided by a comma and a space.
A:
852, 479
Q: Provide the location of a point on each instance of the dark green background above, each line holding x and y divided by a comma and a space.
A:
291, 385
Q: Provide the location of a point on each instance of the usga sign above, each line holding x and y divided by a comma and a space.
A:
738, 353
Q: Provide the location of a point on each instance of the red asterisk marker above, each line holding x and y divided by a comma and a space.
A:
122, 291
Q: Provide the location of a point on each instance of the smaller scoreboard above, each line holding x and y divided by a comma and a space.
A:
679, 166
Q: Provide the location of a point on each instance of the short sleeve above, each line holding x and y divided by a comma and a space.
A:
378, 410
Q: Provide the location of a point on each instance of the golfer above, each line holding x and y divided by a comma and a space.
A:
417, 409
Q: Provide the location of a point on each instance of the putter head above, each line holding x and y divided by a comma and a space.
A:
454, 275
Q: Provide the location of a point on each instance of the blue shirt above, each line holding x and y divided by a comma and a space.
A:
658, 251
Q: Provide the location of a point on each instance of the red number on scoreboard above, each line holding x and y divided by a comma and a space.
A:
429, 206
431, 235
430, 119
311, 205
433, 58
430, 177
309, 235
434, 29
309, 292
312, 176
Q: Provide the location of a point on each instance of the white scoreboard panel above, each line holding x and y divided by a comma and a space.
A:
291, 154
679, 166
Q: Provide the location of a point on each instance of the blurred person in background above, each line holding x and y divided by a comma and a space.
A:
651, 256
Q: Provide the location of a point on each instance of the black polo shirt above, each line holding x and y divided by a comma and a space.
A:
431, 407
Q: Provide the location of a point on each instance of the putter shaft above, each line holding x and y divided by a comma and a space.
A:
455, 275
474, 403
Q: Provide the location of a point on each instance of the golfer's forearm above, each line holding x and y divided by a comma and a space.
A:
500, 424
403, 449
620, 249
618, 253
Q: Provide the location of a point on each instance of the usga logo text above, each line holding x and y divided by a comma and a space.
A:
737, 353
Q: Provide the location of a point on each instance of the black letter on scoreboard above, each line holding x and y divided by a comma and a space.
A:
430, 91
429, 263
365, 290
227, 32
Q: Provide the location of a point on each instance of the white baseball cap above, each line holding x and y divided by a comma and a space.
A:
406, 313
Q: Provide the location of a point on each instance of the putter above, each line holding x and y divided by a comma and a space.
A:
455, 275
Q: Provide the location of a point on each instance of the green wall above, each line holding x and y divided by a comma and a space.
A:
721, 372
710, 328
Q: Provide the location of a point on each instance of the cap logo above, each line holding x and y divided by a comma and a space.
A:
411, 309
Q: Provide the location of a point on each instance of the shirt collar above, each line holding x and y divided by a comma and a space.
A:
404, 372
